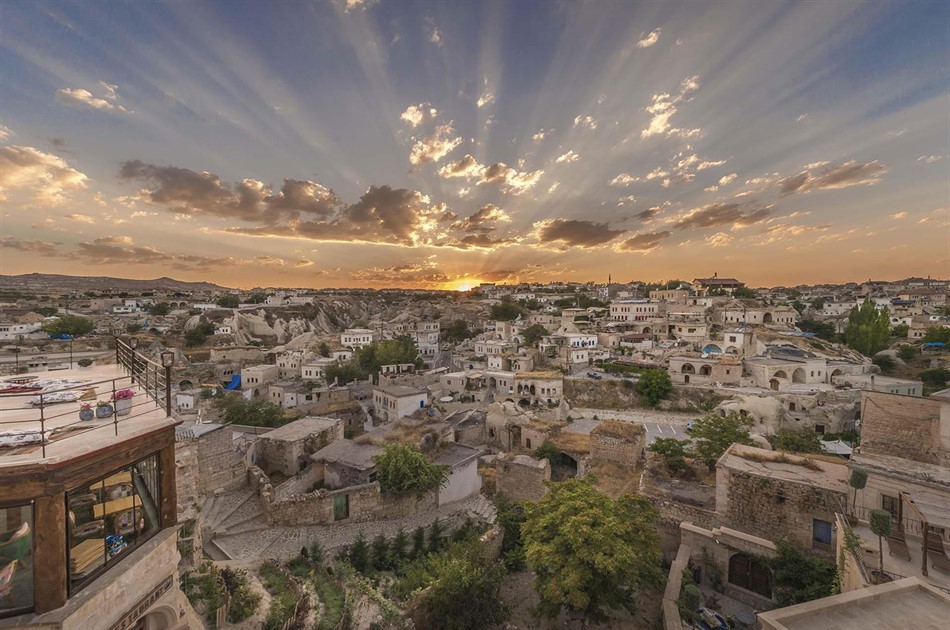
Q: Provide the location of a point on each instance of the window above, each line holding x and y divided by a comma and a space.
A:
820, 429
820, 531
109, 517
891, 504
16, 559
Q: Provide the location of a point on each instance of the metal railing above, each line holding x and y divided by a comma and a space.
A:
146, 387
912, 526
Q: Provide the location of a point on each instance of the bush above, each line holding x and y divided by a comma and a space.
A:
800, 578
936, 377
802, 441
403, 470
654, 386
884, 362
84, 362
906, 352
673, 451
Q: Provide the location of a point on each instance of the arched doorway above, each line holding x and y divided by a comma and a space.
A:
688, 369
524, 402
748, 573
705, 370
492, 383
732, 350
185, 384
798, 376
836, 373
712, 349
780, 374
774, 384
767, 318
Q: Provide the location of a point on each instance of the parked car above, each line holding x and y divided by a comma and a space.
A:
689, 427
594, 375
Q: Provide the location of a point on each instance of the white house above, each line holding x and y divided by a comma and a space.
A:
354, 338
398, 401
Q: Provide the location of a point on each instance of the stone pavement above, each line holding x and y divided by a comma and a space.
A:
233, 527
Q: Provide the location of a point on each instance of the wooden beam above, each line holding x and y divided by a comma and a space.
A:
49, 553
168, 487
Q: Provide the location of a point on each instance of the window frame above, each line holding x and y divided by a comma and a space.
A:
13, 612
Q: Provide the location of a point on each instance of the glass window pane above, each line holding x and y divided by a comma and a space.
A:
16, 558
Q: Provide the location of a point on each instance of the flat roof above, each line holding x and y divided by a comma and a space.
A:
457, 454
784, 466
399, 391
299, 429
354, 454
907, 603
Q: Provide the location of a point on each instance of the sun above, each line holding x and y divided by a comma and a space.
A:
463, 287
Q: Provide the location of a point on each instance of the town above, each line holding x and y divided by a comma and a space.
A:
676, 454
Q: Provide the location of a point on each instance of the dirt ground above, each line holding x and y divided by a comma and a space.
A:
518, 592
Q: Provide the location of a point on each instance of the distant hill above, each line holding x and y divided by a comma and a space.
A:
57, 282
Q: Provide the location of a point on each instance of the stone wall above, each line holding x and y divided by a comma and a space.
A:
205, 463
287, 456
623, 450
521, 477
902, 426
300, 484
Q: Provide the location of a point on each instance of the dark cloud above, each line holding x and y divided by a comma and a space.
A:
575, 233
644, 242
720, 214
646, 215
833, 177
43, 248
484, 220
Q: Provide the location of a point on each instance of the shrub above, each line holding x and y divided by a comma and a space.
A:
404, 470
906, 352
800, 578
802, 441
84, 362
672, 451
654, 386
885, 362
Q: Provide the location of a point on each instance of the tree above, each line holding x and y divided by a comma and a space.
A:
822, 330
402, 349
161, 309
857, 480
880, 522
343, 373
398, 548
380, 553
533, 333
590, 553
935, 377
46, 311
672, 451
418, 543
457, 331
713, 434
900, 330
228, 301
258, 297
506, 311
403, 470
906, 352
358, 553
803, 441
654, 386
510, 517
462, 589
818, 304
436, 536
72, 325
256, 412
324, 350
744, 293
195, 337
869, 328
799, 578
885, 362
939, 334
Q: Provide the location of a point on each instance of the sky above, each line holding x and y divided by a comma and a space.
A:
393, 143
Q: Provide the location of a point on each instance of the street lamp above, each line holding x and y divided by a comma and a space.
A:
16, 360
168, 360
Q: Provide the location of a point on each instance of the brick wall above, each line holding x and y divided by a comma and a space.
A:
522, 477
902, 426
616, 449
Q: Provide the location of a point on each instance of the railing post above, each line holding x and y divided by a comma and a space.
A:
115, 412
42, 425
168, 391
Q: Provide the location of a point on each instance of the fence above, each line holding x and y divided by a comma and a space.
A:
912, 526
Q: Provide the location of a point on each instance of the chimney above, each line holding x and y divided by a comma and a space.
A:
872, 383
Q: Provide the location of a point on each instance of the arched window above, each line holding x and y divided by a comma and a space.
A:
750, 574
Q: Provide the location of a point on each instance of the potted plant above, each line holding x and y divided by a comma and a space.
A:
103, 409
123, 402
86, 412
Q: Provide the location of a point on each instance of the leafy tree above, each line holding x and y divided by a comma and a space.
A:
399, 547
324, 350
803, 441
73, 325
506, 311
857, 480
869, 328
906, 352
161, 309
228, 301
436, 536
817, 304
462, 589
403, 470
358, 553
880, 522
822, 330
195, 337
799, 578
343, 373
256, 412
46, 311
935, 377
654, 386
402, 349
510, 517
744, 293
533, 333
380, 553
457, 331
133, 327
673, 451
584, 301
418, 543
316, 553
938, 334
900, 330
885, 362
258, 297
713, 434
590, 553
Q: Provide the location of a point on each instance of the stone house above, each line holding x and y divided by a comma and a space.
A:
633, 310
347, 463
521, 477
316, 369
787, 367
463, 480
398, 401
752, 313
693, 368
618, 442
287, 449
353, 338
256, 376
778, 496
539, 387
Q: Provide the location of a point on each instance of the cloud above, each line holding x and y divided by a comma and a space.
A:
899, 215
415, 115
80, 97
44, 248
801, 117
783, 231
567, 233
510, 179
647, 215
643, 242
352, 6
5, 132
929, 159
720, 214
585, 121
826, 176
709, 164
80, 218
468, 166
49, 177
553, 187
435, 146
649, 39
725, 180
623, 180
719, 239
435, 35
487, 98
665, 106
629, 199
567, 158
424, 272
539, 136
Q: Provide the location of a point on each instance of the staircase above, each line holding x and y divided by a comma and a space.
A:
236, 512
483, 509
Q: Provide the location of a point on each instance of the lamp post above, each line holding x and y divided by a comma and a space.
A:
134, 343
16, 360
70, 352
168, 360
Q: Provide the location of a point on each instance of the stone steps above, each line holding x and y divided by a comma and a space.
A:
248, 510
215, 552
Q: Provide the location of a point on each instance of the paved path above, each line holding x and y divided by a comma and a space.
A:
657, 423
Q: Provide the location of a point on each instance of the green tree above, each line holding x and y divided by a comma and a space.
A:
654, 386
343, 373
713, 434
935, 377
799, 578
510, 517
906, 352
937, 334
73, 325
817, 304
591, 553
457, 331
885, 362
744, 293
46, 311
324, 350
822, 330
402, 349
161, 309
399, 548
900, 330
258, 297
505, 311
463, 589
256, 412
802, 441
228, 301
358, 553
857, 480
402, 470
533, 333
195, 337
436, 536
869, 328
418, 543
379, 552
880, 522
673, 451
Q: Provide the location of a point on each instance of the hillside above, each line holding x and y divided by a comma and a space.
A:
56, 282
